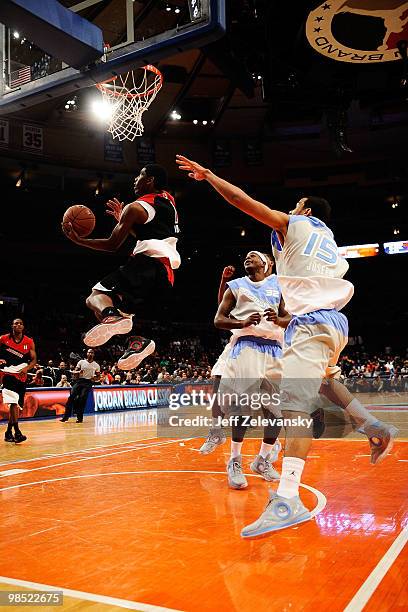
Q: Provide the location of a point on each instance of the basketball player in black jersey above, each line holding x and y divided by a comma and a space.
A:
147, 275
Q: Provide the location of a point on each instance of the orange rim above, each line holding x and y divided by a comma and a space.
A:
149, 91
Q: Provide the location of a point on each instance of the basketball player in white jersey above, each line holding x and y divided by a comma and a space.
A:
248, 306
310, 273
216, 436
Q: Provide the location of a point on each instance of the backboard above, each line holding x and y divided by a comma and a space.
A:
135, 33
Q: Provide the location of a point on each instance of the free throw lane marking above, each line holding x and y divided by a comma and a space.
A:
113, 601
369, 586
321, 498
11, 472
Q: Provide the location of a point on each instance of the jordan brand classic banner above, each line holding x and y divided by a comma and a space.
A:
358, 31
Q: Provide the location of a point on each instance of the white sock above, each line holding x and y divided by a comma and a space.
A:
235, 449
276, 449
361, 414
292, 468
265, 449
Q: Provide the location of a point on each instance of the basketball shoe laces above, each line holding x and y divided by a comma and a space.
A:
237, 467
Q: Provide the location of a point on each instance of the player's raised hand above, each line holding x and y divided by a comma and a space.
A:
228, 272
253, 319
195, 171
114, 208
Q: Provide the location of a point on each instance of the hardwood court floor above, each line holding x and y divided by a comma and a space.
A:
118, 518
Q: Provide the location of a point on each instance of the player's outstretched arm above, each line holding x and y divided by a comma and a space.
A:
133, 214
234, 195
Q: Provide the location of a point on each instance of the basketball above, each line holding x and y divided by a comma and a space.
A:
81, 218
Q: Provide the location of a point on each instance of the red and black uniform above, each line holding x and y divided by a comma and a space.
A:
15, 353
149, 272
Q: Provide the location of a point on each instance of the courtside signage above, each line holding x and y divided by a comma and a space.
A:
122, 398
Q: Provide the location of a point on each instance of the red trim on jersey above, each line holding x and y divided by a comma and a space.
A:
150, 198
170, 272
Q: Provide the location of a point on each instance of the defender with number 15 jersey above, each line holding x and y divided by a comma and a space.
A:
310, 270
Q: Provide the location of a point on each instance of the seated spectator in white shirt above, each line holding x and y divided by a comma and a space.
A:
63, 382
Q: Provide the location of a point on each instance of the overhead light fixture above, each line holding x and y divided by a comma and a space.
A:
195, 121
99, 187
20, 179
103, 109
205, 122
175, 115
243, 233
71, 104
16, 34
177, 10
396, 231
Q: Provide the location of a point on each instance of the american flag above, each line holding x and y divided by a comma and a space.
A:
19, 77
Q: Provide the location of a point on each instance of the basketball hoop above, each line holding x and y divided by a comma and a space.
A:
129, 96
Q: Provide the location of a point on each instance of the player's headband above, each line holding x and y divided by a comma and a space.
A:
263, 258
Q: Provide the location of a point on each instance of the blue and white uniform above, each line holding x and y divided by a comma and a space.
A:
219, 365
256, 351
310, 273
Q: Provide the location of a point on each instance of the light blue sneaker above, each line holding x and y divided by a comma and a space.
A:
263, 467
279, 513
216, 437
236, 476
381, 438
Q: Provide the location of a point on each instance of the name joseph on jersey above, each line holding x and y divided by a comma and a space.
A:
320, 269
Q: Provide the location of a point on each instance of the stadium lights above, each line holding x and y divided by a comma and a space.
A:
99, 187
70, 104
20, 179
102, 109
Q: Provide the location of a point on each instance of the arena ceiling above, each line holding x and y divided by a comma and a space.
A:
268, 76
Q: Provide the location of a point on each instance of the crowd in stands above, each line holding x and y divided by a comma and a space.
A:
384, 372
179, 361
188, 360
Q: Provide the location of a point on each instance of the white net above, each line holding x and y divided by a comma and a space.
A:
127, 97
